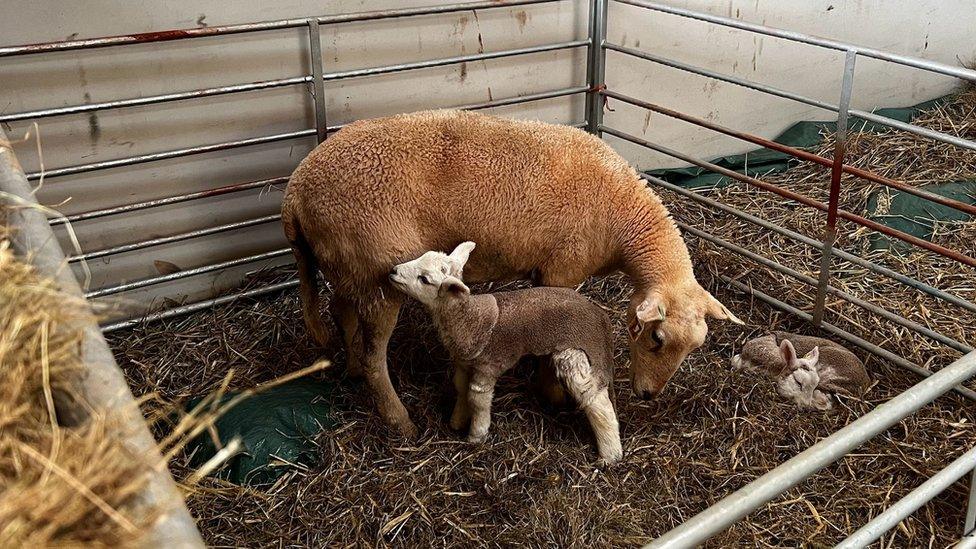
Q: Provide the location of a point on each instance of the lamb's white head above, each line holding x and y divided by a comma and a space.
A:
793, 362
434, 276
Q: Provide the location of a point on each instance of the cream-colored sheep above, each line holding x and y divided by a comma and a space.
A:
543, 201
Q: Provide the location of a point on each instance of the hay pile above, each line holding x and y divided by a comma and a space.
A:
893, 154
59, 486
534, 482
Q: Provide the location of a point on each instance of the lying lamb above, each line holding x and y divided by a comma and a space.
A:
826, 367
487, 334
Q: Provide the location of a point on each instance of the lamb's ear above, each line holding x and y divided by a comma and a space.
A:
650, 310
715, 309
452, 287
813, 357
789, 353
460, 256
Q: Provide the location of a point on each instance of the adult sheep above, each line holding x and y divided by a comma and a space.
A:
543, 201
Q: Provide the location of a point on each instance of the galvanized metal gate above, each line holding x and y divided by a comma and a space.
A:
718, 517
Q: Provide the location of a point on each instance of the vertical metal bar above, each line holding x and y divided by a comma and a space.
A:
596, 65
318, 82
836, 171
971, 507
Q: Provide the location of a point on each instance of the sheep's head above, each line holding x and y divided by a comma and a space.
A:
433, 276
665, 325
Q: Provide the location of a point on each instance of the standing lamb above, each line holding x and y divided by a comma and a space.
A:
825, 367
543, 201
487, 334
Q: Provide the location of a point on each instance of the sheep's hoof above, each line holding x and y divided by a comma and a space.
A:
458, 423
408, 430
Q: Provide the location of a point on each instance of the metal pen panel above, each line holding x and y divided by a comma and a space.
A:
181, 34
744, 501
792, 36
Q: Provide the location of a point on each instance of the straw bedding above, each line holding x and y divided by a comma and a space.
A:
534, 482
59, 485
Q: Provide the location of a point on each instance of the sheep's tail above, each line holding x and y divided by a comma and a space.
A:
308, 281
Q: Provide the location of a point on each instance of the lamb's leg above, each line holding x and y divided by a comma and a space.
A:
481, 389
344, 315
574, 369
377, 320
462, 412
603, 421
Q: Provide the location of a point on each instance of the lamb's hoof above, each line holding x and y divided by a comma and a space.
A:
477, 439
611, 458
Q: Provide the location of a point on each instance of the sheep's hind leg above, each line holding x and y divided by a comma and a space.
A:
462, 412
377, 320
573, 368
481, 389
344, 315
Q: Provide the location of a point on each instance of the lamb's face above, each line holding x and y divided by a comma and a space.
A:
423, 277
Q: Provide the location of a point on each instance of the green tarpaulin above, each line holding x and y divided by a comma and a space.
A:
277, 427
802, 135
905, 212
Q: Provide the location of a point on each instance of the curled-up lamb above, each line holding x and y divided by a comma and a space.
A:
825, 367
487, 334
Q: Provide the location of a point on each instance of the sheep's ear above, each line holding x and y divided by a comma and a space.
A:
452, 287
460, 254
813, 357
788, 351
651, 309
715, 309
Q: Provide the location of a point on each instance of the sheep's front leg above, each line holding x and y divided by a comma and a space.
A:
481, 389
462, 413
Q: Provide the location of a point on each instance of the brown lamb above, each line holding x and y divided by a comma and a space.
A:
487, 334
543, 201
825, 367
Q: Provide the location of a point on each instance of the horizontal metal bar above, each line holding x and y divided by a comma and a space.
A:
795, 152
811, 281
198, 306
174, 238
154, 99
524, 99
170, 35
924, 64
770, 90
136, 284
132, 160
907, 505
719, 76
846, 256
355, 73
802, 199
129, 161
773, 484
885, 354
125, 208
917, 130
267, 84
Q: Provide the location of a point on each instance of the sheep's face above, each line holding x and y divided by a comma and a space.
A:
433, 276
664, 329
